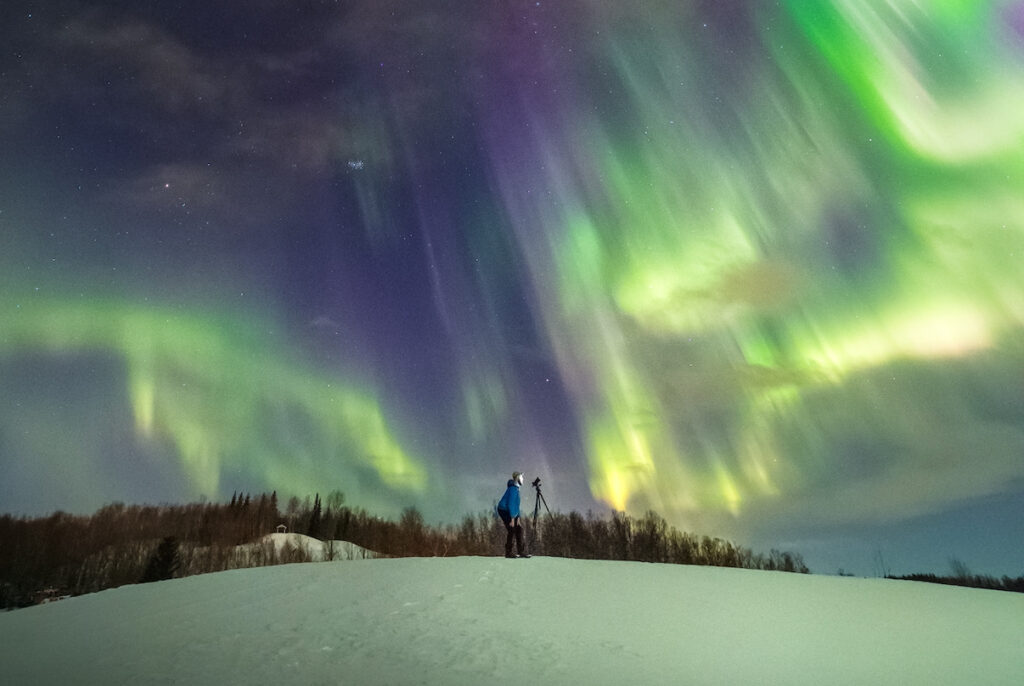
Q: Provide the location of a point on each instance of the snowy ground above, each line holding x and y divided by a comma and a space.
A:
496, 621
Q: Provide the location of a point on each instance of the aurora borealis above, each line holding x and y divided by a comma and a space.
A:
754, 265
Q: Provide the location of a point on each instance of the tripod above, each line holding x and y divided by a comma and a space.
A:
536, 504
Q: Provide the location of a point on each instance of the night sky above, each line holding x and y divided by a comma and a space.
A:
758, 266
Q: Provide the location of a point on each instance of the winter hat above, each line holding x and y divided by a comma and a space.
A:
517, 477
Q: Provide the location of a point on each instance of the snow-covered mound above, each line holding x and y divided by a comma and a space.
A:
316, 550
497, 621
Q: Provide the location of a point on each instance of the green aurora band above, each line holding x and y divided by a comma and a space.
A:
729, 295
223, 394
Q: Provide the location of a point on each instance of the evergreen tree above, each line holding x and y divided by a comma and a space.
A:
164, 563
273, 516
315, 520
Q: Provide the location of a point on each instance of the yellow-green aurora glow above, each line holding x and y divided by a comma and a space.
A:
221, 393
757, 266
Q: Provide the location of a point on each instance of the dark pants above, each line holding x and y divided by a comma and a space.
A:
515, 532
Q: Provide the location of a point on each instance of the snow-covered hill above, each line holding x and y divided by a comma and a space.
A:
316, 550
496, 621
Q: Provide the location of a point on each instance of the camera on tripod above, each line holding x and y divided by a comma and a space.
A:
537, 503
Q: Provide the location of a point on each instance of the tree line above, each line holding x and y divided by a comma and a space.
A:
63, 554
963, 576
991, 583
650, 539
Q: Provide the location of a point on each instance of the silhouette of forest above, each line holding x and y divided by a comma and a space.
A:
64, 555
991, 583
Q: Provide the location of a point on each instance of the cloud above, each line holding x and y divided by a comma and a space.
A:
902, 440
210, 127
159, 68
763, 285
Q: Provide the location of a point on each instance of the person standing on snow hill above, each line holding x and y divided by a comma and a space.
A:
508, 510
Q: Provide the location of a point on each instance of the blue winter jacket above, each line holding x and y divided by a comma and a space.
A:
509, 503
